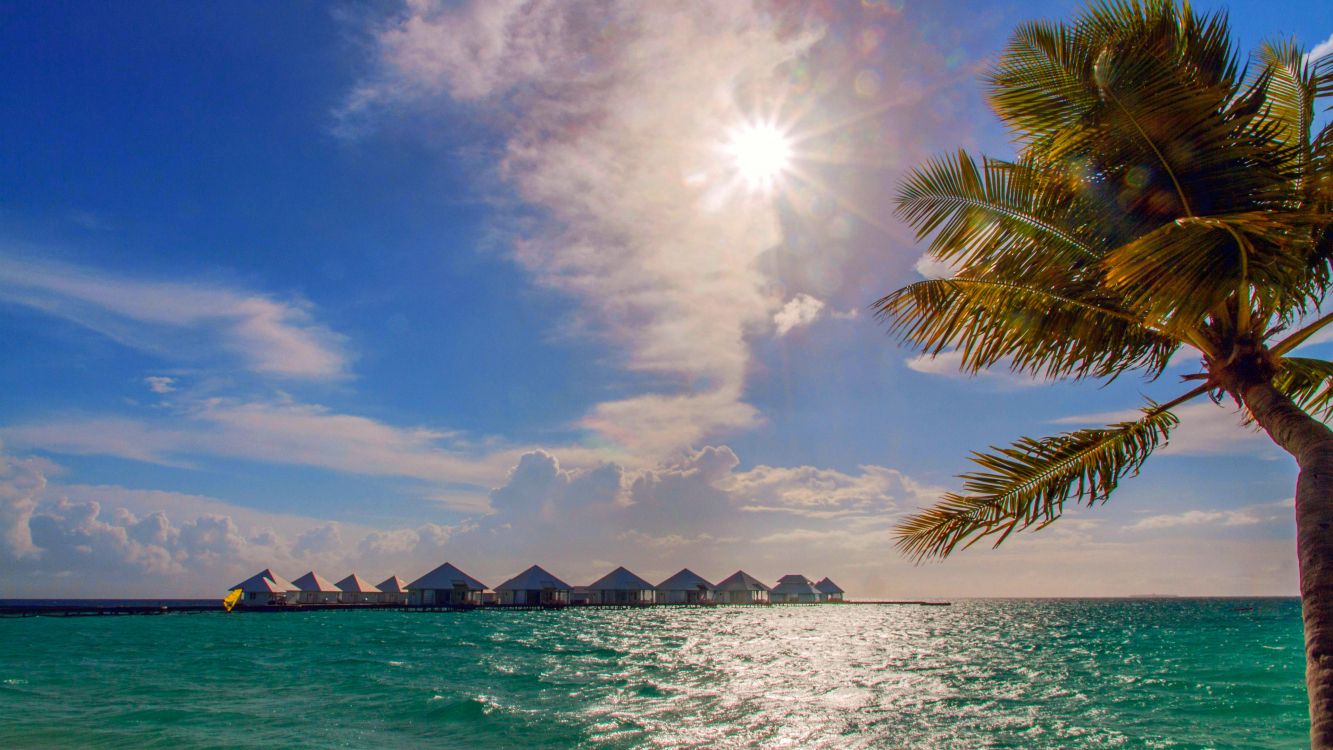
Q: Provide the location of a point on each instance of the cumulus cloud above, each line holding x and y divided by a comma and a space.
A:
648, 227
801, 310
266, 335
21, 480
319, 541
700, 509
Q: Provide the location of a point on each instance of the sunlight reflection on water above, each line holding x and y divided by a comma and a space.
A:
1033, 674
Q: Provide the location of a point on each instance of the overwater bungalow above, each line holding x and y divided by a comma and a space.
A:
266, 589
446, 586
828, 590
357, 590
534, 586
393, 590
685, 587
622, 587
316, 589
741, 588
794, 588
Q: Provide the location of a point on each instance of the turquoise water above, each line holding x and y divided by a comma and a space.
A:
979, 674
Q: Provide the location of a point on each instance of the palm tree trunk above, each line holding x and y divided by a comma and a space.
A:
1311, 443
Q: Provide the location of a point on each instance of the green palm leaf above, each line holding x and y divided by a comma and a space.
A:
1291, 92
1186, 269
1308, 383
999, 210
1029, 483
1043, 332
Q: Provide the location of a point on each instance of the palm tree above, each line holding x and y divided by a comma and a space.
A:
1162, 197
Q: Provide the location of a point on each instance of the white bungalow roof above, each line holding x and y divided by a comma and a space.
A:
827, 586
620, 579
256, 582
447, 577
393, 585
741, 581
313, 581
261, 585
355, 584
532, 579
685, 580
794, 584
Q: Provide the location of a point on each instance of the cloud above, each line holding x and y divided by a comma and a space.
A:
280, 432
160, 384
949, 365
647, 227
932, 267
319, 541
1323, 48
1196, 518
1248, 516
700, 510
194, 320
801, 310
21, 480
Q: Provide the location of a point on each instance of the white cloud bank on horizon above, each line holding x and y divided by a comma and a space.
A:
269, 336
620, 111
700, 510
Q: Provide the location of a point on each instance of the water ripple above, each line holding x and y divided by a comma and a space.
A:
980, 674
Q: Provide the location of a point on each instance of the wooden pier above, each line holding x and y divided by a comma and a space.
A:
93, 609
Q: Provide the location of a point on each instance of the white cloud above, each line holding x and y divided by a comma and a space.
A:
948, 364
1323, 48
280, 432
160, 384
700, 510
801, 310
21, 480
649, 228
932, 267
1247, 516
203, 321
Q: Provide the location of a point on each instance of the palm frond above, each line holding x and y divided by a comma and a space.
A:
1042, 331
1189, 267
1308, 383
1291, 90
1029, 483
978, 214
1040, 86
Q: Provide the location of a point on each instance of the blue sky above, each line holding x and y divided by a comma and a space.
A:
371, 287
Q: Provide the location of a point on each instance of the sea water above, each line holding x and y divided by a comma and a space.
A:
979, 674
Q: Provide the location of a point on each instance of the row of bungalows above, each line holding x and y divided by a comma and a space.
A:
448, 586
267, 588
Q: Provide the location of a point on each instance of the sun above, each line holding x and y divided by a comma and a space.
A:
761, 153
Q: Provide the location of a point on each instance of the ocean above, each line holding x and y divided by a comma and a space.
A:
1162, 673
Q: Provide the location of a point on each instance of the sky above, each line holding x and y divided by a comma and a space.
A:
369, 287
